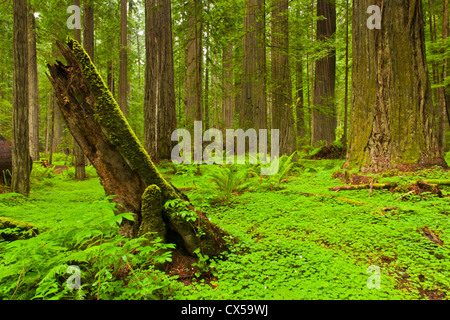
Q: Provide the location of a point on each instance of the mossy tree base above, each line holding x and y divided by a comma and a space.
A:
124, 167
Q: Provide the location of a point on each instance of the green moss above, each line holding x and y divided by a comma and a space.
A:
14, 230
152, 221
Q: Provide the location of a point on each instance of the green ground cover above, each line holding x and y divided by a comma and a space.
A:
290, 237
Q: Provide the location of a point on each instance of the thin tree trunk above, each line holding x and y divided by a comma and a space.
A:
300, 103
123, 74
21, 160
344, 138
80, 171
206, 121
228, 98
193, 82
445, 34
88, 28
48, 128
33, 87
52, 128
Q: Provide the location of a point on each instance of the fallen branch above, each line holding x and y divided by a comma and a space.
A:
343, 199
437, 182
371, 186
431, 236
389, 209
406, 194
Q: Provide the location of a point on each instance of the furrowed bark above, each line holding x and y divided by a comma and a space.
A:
125, 169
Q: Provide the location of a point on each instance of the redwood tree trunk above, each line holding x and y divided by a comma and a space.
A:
228, 97
282, 116
253, 108
33, 88
123, 75
324, 111
159, 103
193, 81
392, 122
21, 160
80, 164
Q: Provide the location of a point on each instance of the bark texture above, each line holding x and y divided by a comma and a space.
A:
228, 89
392, 122
159, 101
80, 170
21, 160
33, 87
324, 111
123, 74
253, 106
282, 114
193, 81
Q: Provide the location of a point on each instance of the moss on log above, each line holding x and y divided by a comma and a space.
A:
152, 224
11, 229
123, 165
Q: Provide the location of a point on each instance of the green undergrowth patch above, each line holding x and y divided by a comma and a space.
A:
78, 234
306, 242
289, 237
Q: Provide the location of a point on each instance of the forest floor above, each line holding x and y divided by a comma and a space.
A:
290, 236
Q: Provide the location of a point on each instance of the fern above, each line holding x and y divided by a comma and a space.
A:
229, 180
285, 165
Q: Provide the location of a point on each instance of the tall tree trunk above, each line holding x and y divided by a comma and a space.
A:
344, 138
123, 74
392, 108
206, 122
159, 101
48, 125
110, 75
445, 35
21, 160
324, 111
282, 115
88, 28
253, 107
52, 127
193, 82
228, 97
300, 103
33, 87
80, 163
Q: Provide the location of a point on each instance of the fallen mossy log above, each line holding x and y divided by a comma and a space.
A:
124, 167
375, 186
417, 186
343, 199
